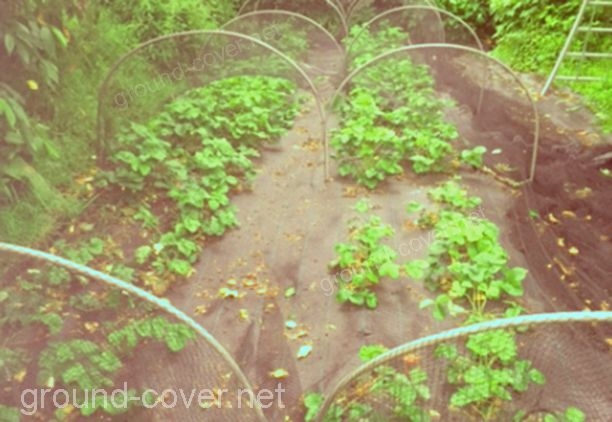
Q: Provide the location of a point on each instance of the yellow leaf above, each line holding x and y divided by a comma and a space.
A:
32, 85
244, 314
19, 376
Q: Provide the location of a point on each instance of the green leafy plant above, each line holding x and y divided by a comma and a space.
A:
365, 44
195, 153
571, 414
31, 303
77, 363
366, 151
29, 50
452, 195
83, 253
473, 157
468, 269
365, 259
153, 19
149, 220
468, 266
312, 403
249, 111
529, 34
84, 366
407, 392
488, 373
12, 361
174, 335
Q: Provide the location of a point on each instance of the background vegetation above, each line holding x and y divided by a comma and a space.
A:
55, 53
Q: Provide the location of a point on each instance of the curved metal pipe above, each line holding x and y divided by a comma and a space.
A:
286, 13
338, 10
536, 136
536, 319
136, 291
103, 88
351, 9
438, 12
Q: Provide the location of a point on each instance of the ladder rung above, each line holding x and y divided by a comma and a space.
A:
581, 78
594, 29
588, 54
600, 3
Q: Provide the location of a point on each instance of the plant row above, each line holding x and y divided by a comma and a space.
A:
173, 177
182, 166
467, 269
391, 115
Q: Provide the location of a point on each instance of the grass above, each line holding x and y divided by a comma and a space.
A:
597, 95
25, 222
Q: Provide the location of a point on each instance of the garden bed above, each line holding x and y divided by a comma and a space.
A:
253, 257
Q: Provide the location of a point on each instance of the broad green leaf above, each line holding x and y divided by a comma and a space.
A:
416, 269
390, 269
573, 414
371, 351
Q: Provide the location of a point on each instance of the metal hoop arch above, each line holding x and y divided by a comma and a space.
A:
535, 319
136, 291
351, 8
286, 13
432, 8
103, 88
438, 12
338, 10
536, 135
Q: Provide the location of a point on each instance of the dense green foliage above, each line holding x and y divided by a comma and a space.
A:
466, 264
54, 54
53, 57
488, 372
388, 122
189, 158
529, 34
408, 392
467, 267
364, 260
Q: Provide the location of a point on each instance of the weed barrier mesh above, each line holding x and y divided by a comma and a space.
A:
410, 383
112, 336
569, 349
